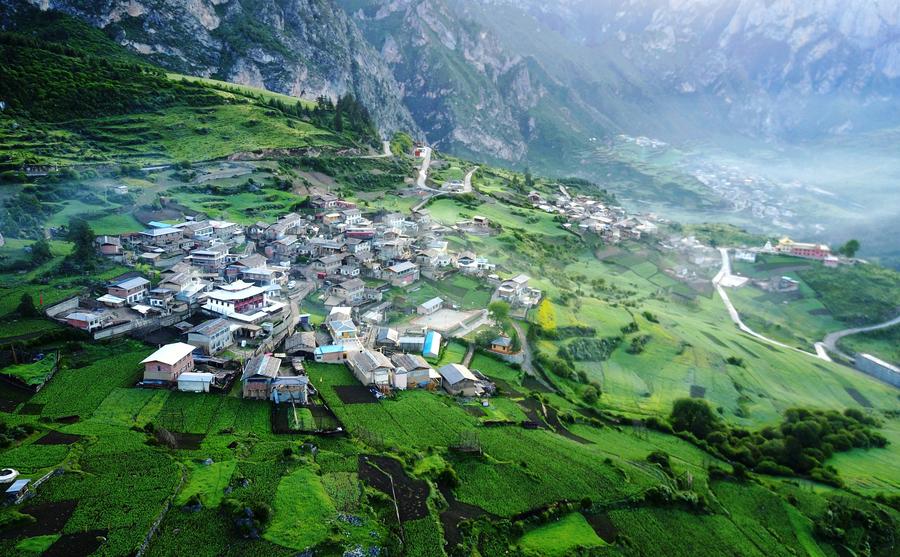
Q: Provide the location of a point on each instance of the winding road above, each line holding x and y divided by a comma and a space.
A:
831, 339
527, 365
724, 275
822, 348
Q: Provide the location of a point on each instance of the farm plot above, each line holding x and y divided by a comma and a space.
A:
453, 354
561, 537
388, 476
79, 391
354, 394
208, 481
32, 374
303, 511
306, 515
553, 467
495, 369
696, 534
127, 487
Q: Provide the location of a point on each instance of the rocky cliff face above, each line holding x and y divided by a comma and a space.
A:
464, 86
535, 80
771, 68
297, 47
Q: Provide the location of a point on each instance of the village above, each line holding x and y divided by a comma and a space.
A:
222, 301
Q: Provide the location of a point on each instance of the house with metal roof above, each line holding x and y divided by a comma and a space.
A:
132, 290
259, 372
432, 346
418, 372
167, 363
211, 336
17, 491
371, 367
194, 382
458, 380
402, 274
430, 306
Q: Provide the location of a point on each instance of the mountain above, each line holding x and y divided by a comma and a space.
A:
531, 82
302, 48
777, 70
467, 89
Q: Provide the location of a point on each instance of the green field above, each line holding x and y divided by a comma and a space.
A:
560, 538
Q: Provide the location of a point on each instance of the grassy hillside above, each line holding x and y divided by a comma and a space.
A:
74, 97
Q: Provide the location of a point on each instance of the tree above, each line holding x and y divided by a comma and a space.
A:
499, 310
590, 394
26, 306
40, 252
850, 248
338, 120
694, 415
529, 180
81, 234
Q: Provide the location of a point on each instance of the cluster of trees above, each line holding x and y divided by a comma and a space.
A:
23, 215
858, 526
499, 312
637, 344
10, 434
850, 248
354, 173
83, 257
347, 114
589, 349
799, 445
589, 188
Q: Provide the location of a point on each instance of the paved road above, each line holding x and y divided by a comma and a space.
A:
467, 181
722, 276
831, 339
423, 170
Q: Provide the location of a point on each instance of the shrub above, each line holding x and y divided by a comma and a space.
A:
662, 459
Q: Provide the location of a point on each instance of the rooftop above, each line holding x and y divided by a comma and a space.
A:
128, 284
454, 373
170, 354
264, 365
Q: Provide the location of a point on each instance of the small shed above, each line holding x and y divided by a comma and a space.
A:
432, 346
195, 382
401, 378
17, 491
430, 307
411, 343
502, 344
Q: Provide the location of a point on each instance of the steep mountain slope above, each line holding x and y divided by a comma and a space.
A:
784, 70
297, 47
466, 88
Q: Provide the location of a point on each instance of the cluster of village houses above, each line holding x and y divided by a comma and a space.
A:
221, 284
587, 214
